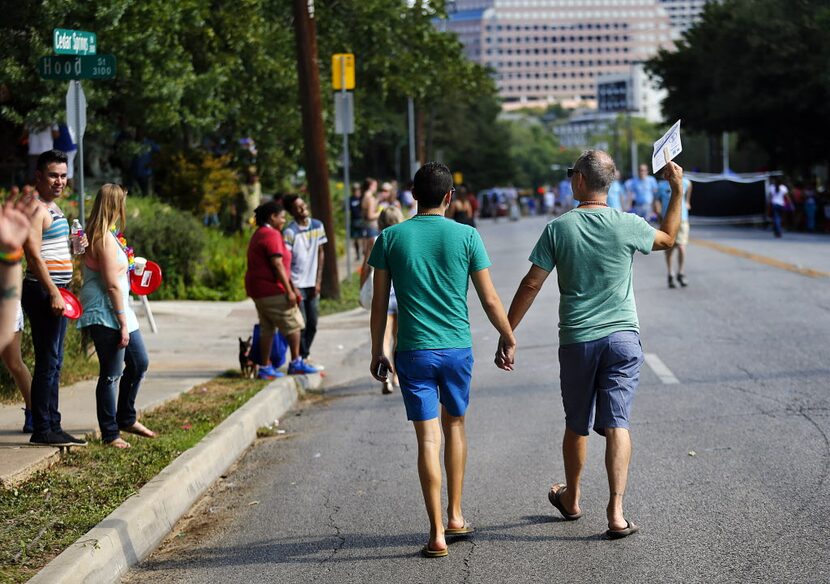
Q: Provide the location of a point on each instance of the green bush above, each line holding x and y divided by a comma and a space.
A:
172, 238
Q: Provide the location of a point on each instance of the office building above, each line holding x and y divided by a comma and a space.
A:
545, 51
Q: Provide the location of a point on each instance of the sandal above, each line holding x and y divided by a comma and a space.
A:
555, 495
139, 429
118, 443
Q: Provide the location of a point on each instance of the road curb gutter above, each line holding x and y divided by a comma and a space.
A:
138, 526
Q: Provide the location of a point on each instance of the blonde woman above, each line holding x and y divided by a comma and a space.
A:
388, 217
111, 322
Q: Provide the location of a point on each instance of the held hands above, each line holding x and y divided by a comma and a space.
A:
505, 353
375, 366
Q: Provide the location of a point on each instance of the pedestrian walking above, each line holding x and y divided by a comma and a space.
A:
600, 354
48, 270
388, 217
305, 238
779, 201
268, 283
641, 190
357, 230
110, 320
430, 260
682, 240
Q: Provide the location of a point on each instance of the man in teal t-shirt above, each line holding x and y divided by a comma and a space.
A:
663, 197
592, 249
430, 260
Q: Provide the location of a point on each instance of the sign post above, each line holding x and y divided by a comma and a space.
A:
76, 59
343, 79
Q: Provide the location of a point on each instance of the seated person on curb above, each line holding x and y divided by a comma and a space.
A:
430, 260
305, 238
268, 283
600, 355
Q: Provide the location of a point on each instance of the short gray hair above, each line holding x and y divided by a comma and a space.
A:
598, 170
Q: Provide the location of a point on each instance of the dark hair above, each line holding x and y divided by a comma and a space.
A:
367, 182
51, 157
432, 181
288, 203
265, 210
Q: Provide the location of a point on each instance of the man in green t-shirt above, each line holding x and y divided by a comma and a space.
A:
600, 355
430, 260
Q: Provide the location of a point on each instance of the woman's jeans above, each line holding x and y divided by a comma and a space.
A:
132, 361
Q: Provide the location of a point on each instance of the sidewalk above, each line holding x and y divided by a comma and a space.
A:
196, 342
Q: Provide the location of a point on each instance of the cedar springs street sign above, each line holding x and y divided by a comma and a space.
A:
74, 42
77, 67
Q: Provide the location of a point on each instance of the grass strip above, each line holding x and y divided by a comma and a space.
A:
45, 515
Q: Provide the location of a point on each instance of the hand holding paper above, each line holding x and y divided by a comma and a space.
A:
666, 148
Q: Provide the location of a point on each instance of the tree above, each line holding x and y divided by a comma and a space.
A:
759, 68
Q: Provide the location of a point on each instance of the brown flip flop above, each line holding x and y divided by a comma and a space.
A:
428, 553
459, 531
554, 496
630, 529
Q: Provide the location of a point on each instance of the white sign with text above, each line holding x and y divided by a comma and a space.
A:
666, 148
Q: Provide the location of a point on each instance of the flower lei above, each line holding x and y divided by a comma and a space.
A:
122, 241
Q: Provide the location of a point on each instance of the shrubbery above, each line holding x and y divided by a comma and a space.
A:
198, 263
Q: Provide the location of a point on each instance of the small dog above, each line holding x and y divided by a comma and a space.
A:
247, 366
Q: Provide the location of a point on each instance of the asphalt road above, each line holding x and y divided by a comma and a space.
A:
729, 480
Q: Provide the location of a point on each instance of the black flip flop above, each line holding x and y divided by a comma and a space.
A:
630, 529
554, 498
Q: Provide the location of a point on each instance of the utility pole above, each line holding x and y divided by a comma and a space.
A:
317, 172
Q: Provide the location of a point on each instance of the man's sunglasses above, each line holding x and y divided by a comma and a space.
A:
571, 172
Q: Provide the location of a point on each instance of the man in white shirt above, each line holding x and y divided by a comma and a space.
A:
305, 238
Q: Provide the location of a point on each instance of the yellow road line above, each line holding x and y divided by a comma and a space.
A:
767, 261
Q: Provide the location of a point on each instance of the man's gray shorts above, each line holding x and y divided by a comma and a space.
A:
598, 381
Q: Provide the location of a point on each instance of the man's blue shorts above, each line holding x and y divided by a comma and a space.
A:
432, 376
599, 379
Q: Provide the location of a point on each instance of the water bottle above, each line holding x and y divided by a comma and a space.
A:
76, 234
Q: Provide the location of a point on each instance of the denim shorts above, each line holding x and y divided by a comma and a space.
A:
432, 376
598, 380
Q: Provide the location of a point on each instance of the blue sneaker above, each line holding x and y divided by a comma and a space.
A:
269, 372
300, 367
28, 424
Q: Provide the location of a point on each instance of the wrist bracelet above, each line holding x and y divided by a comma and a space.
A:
11, 258
119, 312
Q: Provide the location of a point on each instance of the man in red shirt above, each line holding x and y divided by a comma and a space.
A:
268, 283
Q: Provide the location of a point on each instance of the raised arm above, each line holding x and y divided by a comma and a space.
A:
665, 236
494, 310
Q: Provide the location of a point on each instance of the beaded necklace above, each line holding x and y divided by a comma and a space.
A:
122, 243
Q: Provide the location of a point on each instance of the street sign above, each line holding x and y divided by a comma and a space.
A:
457, 177
74, 42
343, 113
76, 110
77, 67
342, 68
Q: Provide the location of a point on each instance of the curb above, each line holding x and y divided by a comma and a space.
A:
137, 527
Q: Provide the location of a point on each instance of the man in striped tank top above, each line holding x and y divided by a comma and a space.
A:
48, 268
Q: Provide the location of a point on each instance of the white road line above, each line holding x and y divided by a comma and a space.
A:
660, 369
